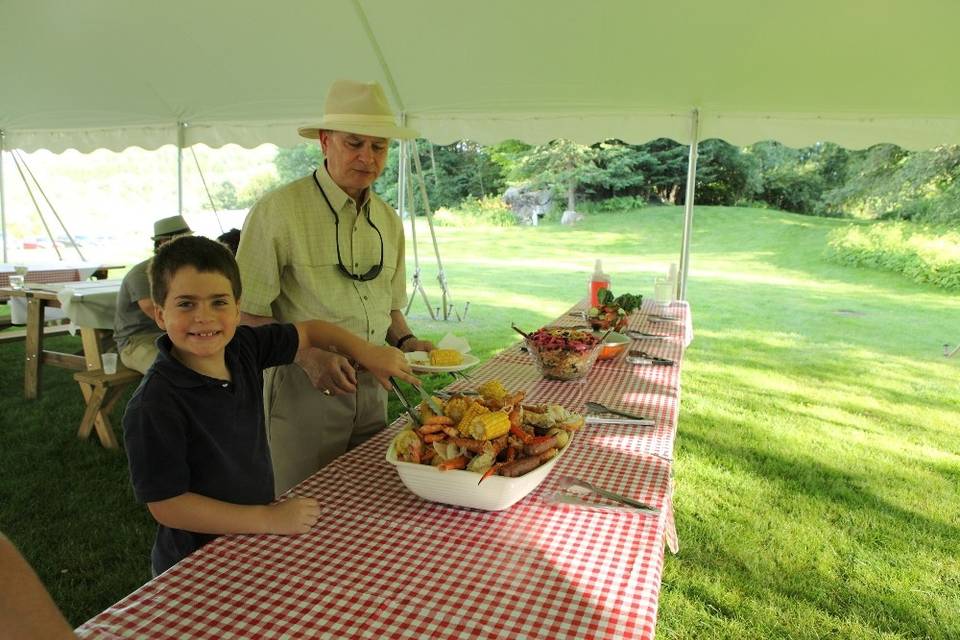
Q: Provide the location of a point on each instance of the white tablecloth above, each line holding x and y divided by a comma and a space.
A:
87, 304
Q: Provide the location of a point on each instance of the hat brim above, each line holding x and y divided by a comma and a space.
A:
376, 130
178, 232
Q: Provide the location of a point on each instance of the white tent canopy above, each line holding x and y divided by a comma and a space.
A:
119, 73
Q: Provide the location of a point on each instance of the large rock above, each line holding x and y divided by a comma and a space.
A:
529, 205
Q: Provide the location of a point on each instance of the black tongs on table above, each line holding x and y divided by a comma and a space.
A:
643, 355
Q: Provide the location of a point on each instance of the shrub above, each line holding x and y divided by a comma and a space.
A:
615, 204
488, 211
925, 254
789, 190
889, 183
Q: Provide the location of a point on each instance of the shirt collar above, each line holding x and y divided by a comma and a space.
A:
338, 197
179, 374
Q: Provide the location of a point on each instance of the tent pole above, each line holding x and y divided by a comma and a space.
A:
180, 138
53, 209
416, 284
447, 304
681, 291
17, 162
3, 202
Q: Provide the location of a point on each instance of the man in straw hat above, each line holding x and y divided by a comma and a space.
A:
134, 329
327, 247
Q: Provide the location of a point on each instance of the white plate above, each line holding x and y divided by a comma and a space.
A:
460, 488
419, 362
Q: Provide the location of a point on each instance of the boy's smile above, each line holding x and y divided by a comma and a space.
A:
200, 315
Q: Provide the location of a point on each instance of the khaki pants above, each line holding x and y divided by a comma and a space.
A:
307, 429
140, 351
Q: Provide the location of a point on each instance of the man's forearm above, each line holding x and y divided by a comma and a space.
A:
252, 320
398, 327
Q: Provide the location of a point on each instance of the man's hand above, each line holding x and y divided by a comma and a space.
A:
294, 515
330, 373
415, 344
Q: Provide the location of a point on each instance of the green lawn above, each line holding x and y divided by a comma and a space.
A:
818, 455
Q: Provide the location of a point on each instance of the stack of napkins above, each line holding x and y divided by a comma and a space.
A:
456, 343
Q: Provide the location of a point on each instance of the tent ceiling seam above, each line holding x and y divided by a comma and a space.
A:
378, 52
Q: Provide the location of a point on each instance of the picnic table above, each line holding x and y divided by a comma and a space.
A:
90, 306
55, 272
383, 563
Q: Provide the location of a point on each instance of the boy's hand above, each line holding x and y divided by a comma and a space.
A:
384, 362
329, 372
294, 515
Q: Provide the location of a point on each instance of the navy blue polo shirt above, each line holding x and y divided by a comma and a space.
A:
186, 432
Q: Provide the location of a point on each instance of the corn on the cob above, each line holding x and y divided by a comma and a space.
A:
445, 357
493, 390
455, 408
424, 408
475, 409
490, 425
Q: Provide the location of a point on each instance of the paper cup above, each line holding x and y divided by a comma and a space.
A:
109, 361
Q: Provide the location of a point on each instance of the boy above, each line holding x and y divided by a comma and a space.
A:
194, 429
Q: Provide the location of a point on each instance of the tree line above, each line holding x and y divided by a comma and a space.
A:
881, 182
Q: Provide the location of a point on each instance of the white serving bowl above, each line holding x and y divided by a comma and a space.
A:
460, 488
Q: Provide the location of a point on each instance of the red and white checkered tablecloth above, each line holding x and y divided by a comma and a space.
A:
383, 563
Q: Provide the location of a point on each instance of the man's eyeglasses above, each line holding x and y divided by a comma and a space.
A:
375, 270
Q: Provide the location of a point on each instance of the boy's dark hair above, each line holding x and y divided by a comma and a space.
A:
203, 254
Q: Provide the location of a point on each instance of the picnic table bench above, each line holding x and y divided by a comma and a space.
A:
90, 306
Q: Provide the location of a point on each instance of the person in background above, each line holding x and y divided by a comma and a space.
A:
326, 246
231, 239
194, 429
134, 329
26, 609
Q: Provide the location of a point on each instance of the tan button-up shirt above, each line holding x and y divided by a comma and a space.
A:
288, 258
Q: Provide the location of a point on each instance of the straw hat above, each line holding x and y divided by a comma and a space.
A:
358, 107
172, 226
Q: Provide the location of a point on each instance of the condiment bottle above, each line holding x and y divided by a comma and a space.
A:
599, 280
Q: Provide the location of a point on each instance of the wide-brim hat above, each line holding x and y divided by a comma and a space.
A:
358, 107
172, 226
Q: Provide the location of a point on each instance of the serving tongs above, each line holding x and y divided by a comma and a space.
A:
406, 405
461, 376
581, 486
643, 335
430, 402
593, 408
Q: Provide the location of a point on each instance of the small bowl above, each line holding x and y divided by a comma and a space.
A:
614, 345
460, 488
563, 364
